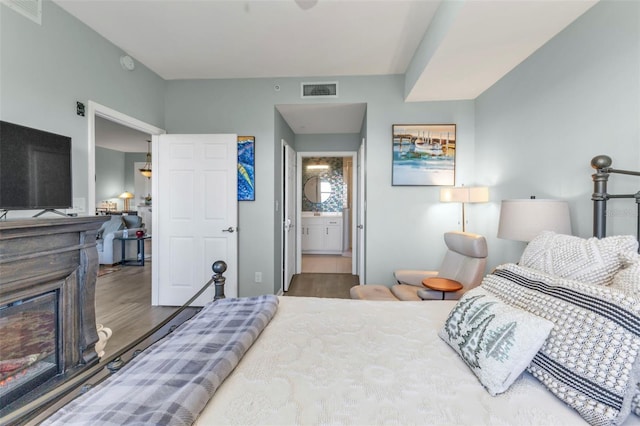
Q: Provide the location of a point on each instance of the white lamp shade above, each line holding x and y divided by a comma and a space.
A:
454, 195
479, 194
523, 220
465, 194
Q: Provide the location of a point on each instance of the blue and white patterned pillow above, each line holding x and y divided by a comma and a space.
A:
495, 340
591, 359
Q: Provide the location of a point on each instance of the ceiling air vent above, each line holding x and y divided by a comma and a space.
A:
32, 9
320, 90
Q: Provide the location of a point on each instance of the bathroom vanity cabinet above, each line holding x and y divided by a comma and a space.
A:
321, 234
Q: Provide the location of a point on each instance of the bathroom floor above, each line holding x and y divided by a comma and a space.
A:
326, 263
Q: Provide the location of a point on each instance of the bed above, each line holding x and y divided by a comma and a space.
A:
552, 340
335, 361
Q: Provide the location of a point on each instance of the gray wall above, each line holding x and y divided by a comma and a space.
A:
45, 69
246, 106
110, 175
114, 174
538, 128
533, 132
328, 142
129, 183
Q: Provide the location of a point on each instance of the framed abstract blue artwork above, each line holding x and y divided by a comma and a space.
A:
246, 168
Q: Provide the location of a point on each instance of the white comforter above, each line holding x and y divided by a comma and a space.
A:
354, 362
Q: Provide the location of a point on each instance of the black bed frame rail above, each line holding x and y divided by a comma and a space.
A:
602, 164
42, 407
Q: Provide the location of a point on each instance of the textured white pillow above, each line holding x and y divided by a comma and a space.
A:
591, 359
627, 279
590, 260
495, 340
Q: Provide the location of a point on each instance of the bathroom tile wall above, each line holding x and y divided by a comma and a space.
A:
334, 175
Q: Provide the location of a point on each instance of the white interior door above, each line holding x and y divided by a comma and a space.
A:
196, 208
289, 214
360, 252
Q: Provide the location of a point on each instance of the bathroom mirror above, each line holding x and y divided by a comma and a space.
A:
317, 189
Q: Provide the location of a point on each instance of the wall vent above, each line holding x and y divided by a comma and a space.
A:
32, 9
319, 90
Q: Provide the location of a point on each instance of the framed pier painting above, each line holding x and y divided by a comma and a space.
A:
423, 154
246, 168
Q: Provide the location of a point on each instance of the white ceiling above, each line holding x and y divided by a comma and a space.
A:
464, 46
117, 137
317, 118
181, 39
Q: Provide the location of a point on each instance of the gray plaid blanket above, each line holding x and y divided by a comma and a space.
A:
171, 382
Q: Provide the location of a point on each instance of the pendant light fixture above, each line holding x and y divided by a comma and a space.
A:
146, 169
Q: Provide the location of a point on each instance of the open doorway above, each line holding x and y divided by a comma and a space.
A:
120, 154
116, 144
119, 122
324, 130
327, 190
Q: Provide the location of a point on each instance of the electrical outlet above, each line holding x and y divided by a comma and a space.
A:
258, 277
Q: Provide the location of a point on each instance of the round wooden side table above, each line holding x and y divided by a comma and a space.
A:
444, 285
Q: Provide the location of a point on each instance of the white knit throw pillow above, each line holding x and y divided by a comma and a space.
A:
627, 279
590, 260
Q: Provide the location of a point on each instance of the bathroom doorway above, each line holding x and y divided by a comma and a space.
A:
326, 199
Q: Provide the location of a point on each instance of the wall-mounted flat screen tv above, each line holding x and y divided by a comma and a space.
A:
35, 169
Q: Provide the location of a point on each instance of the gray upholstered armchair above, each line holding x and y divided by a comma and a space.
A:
465, 261
110, 250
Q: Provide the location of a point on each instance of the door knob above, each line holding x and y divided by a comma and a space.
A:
360, 226
229, 229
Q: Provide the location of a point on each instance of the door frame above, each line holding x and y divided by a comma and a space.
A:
283, 235
361, 211
354, 197
94, 110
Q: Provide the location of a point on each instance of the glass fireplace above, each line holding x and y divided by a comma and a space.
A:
29, 350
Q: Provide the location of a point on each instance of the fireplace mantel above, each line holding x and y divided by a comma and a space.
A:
54, 255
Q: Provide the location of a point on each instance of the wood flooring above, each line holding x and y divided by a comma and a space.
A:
123, 300
322, 285
123, 304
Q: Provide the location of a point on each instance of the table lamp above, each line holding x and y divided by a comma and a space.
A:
464, 194
523, 220
126, 196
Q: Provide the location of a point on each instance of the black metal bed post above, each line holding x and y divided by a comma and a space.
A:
219, 268
602, 165
637, 197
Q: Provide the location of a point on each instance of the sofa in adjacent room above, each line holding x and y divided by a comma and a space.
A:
110, 249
